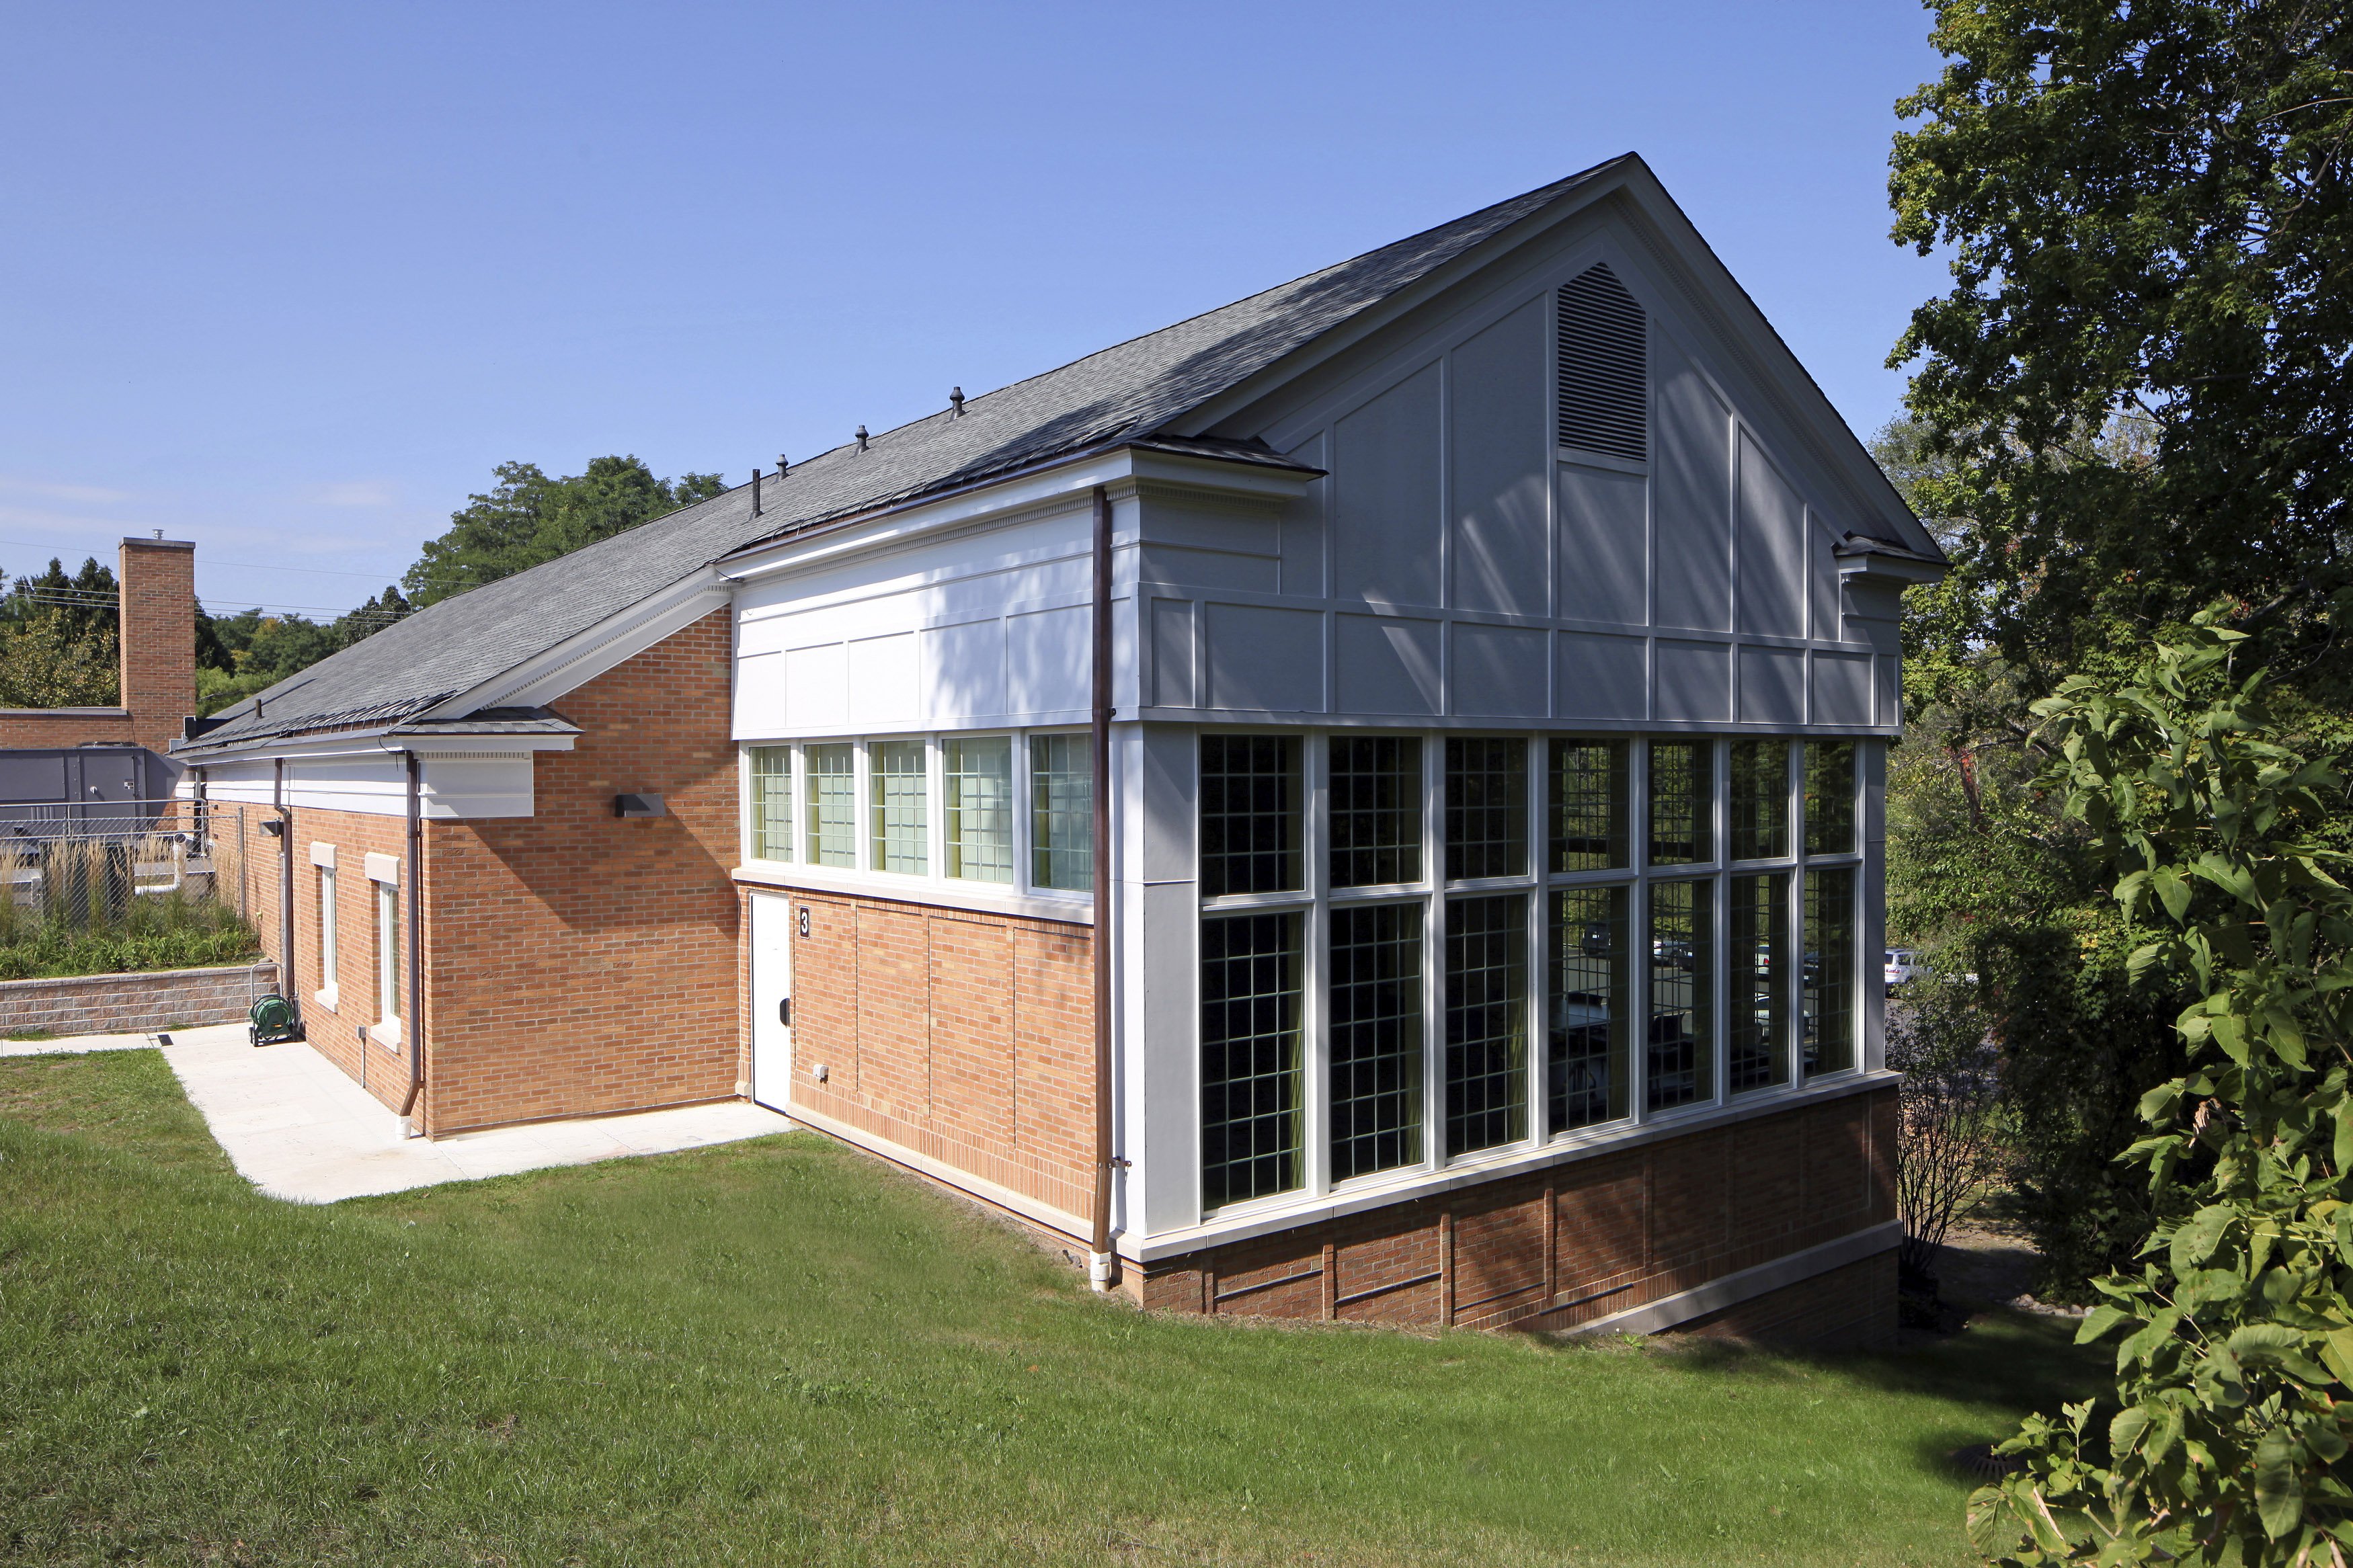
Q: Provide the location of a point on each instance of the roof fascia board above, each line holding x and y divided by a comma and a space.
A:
591, 651
376, 742
1345, 335
996, 504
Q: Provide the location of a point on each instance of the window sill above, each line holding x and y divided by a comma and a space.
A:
996, 897
384, 1032
327, 999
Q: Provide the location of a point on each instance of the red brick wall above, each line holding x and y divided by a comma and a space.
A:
1580, 1241
156, 597
581, 964
157, 592
964, 1036
1849, 1307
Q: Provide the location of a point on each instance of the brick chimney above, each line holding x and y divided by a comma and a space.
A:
158, 585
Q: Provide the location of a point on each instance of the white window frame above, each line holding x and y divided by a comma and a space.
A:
1316, 898
384, 874
330, 991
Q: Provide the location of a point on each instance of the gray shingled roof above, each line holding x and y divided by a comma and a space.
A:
1127, 392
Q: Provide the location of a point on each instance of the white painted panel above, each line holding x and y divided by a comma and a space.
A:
1693, 524
1387, 665
759, 696
1604, 546
1772, 549
472, 787
1385, 487
1173, 683
1500, 672
1208, 568
771, 1000
882, 680
1841, 689
1048, 658
1045, 555
1166, 1146
1498, 450
1822, 579
1600, 676
1772, 685
816, 686
1256, 657
1890, 698
1302, 531
964, 670
1693, 681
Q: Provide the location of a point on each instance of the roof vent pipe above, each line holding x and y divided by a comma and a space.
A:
783, 467
756, 492
955, 411
862, 437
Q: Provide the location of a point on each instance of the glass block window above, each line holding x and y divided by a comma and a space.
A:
1586, 1077
1487, 1022
1830, 797
900, 784
1587, 808
829, 805
1679, 1067
976, 790
771, 804
1683, 803
1486, 806
1061, 813
1760, 800
1250, 815
1251, 1050
1757, 1044
1827, 997
1376, 1038
1376, 804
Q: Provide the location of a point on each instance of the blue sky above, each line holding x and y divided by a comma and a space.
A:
288, 281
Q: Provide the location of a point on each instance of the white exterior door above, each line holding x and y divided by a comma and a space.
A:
772, 1000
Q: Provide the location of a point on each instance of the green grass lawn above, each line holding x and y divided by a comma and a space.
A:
780, 1351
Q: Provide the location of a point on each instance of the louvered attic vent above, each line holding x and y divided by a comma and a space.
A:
1602, 401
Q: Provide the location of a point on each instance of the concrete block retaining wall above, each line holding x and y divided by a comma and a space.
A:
130, 1004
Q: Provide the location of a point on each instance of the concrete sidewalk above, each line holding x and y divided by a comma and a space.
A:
297, 1128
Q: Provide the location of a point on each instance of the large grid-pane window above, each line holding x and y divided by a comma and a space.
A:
1250, 1056
1487, 1022
1760, 800
1679, 1069
977, 787
1829, 998
1587, 806
830, 806
1375, 1032
1757, 1047
1250, 815
1486, 806
772, 803
1376, 804
1061, 813
1830, 797
1585, 1047
899, 779
1682, 801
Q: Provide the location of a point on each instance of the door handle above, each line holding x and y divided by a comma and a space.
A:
785, 1012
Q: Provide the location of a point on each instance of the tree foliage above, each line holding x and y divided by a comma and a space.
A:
2140, 378
2237, 1348
528, 517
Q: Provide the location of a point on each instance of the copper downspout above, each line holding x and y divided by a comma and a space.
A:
415, 1023
1099, 1264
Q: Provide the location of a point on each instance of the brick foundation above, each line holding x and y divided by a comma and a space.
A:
1849, 1307
1583, 1240
134, 1002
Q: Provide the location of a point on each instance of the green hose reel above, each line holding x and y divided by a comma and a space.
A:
272, 1020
